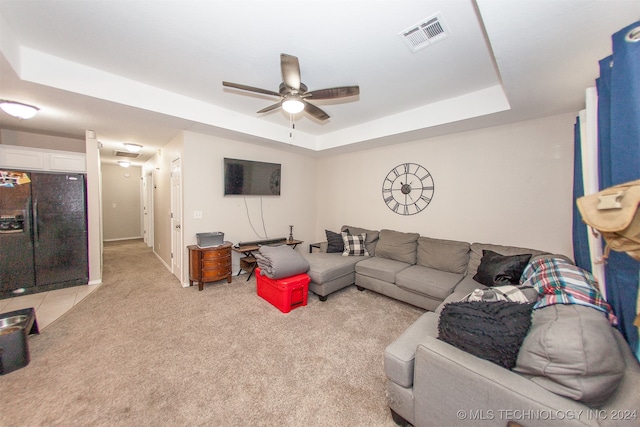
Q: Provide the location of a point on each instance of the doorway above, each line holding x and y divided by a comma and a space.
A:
176, 218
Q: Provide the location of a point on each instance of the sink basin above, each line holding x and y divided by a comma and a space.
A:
10, 321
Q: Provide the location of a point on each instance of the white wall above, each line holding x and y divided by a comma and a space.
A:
202, 171
507, 185
121, 202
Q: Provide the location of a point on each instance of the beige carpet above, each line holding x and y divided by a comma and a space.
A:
141, 350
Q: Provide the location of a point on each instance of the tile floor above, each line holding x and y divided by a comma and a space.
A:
49, 305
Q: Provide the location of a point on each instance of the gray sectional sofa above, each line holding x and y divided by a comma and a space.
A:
580, 370
421, 271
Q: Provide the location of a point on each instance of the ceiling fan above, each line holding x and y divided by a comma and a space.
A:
293, 93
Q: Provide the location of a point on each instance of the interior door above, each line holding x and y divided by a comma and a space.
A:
176, 218
147, 185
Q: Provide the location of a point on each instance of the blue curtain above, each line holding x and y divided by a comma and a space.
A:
619, 161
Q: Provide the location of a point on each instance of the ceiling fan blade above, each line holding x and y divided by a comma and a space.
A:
334, 92
315, 111
250, 88
269, 108
290, 71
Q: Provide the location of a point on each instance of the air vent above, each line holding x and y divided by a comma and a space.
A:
425, 33
127, 154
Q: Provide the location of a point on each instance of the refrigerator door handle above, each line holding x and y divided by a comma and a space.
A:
36, 229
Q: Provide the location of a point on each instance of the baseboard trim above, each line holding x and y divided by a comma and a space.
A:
122, 238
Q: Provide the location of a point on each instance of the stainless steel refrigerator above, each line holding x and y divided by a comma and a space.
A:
43, 232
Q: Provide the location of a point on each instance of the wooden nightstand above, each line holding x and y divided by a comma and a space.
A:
209, 264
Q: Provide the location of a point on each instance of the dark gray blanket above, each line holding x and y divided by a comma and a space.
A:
277, 262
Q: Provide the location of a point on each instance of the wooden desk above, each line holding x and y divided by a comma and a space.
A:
209, 264
248, 262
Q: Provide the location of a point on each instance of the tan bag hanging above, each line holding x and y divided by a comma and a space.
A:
615, 214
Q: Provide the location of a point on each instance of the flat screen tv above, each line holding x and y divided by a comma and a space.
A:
251, 178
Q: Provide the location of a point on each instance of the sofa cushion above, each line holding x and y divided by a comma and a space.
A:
370, 241
497, 270
493, 331
324, 267
398, 246
334, 242
427, 281
445, 255
477, 251
381, 268
354, 244
571, 351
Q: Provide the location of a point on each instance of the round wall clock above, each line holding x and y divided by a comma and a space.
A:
408, 189
274, 182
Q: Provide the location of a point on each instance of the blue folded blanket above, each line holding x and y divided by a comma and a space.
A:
277, 262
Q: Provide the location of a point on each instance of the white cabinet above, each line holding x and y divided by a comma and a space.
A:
27, 158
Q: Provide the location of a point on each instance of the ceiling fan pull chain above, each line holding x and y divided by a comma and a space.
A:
293, 125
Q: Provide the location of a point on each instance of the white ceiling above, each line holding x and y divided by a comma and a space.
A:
143, 70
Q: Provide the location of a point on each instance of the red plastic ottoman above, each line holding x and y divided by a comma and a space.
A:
286, 293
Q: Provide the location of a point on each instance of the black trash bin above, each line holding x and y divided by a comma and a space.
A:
15, 326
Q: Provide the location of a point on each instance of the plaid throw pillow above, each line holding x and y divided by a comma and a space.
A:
560, 282
354, 244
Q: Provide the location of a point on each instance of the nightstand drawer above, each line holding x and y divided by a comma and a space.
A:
214, 275
213, 254
216, 263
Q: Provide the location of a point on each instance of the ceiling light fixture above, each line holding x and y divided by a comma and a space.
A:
292, 104
132, 148
124, 164
18, 109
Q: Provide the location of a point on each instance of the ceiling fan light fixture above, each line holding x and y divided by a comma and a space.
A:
292, 105
18, 109
132, 148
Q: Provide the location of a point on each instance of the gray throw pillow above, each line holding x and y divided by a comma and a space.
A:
571, 351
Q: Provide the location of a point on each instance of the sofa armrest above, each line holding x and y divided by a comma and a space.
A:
452, 387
